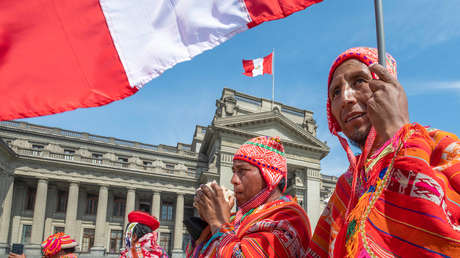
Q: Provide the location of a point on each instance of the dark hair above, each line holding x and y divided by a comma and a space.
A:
69, 250
140, 230
281, 184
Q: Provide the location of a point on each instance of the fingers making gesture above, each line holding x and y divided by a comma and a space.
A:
387, 107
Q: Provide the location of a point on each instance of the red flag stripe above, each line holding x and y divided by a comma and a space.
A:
248, 66
31, 82
268, 64
267, 10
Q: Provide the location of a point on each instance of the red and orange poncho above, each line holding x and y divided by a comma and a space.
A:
407, 201
279, 228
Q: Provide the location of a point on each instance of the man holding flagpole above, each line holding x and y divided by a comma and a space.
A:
400, 196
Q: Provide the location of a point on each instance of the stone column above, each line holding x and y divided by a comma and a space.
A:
313, 196
38, 220
6, 212
99, 238
71, 212
130, 203
156, 199
178, 231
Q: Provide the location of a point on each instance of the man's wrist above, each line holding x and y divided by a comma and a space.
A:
215, 227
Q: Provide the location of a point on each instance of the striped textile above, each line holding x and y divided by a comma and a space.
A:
409, 203
276, 229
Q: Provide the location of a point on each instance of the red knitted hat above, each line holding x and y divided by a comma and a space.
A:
143, 218
56, 242
266, 153
367, 56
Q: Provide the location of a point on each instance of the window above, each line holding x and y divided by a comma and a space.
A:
165, 241
30, 202
119, 207
61, 201
68, 154
26, 232
123, 161
37, 149
169, 166
116, 240
97, 158
91, 204
87, 240
58, 229
147, 164
167, 211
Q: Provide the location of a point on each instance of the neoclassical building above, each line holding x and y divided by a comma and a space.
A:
53, 179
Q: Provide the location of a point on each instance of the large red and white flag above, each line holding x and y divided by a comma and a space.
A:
258, 66
61, 55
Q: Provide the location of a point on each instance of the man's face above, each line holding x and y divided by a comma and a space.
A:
349, 92
246, 180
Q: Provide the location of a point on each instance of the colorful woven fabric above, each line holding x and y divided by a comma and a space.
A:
56, 242
266, 153
409, 203
68, 256
276, 229
146, 247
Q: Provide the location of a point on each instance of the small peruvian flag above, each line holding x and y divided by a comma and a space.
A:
258, 66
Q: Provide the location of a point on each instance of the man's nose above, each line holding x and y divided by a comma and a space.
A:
235, 179
348, 94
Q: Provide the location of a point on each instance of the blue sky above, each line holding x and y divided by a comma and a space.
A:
423, 36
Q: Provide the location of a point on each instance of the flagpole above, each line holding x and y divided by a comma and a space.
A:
273, 78
380, 32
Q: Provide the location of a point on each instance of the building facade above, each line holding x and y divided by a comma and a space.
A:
54, 180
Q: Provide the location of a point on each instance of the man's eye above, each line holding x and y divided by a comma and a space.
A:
360, 81
335, 92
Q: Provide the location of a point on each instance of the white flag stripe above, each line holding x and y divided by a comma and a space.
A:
258, 67
154, 35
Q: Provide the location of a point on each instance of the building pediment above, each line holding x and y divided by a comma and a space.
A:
271, 124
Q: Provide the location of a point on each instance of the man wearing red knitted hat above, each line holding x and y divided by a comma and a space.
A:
267, 223
141, 238
400, 195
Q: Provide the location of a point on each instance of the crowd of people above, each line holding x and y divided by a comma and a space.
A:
399, 197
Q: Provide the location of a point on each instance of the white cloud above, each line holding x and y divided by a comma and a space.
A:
422, 88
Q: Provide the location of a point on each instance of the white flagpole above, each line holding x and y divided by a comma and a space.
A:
273, 78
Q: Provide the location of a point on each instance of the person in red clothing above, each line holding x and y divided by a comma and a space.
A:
267, 223
141, 238
400, 195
